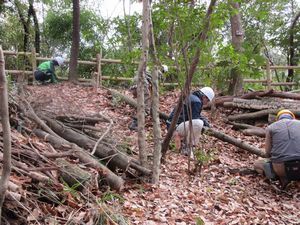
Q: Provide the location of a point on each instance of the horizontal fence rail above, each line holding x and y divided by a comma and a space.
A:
99, 61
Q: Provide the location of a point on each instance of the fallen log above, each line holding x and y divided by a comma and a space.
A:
104, 151
114, 181
252, 115
237, 142
289, 95
248, 129
238, 126
261, 104
219, 101
260, 132
73, 175
132, 102
80, 120
259, 114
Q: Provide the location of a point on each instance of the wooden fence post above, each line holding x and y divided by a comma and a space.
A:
33, 62
268, 73
99, 72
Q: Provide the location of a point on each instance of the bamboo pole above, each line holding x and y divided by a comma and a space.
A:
16, 53
255, 81
99, 72
33, 62
283, 83
268, 73
18, 72
284, 67
119, 61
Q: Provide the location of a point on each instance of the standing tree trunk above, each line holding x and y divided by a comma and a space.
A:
140, 84
192, 69
4, 116
25, 24
127, 22
156, 127
73, 76
292, 61
37, 34
155, 108
236, 81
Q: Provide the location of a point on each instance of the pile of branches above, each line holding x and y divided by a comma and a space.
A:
254, 110
61, 166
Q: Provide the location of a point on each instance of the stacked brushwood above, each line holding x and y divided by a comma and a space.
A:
63, 164
255, 110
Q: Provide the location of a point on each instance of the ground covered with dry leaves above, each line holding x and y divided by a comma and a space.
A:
216, 196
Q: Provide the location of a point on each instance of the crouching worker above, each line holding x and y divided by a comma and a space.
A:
46, 70
183, 134
283, 148
147, 93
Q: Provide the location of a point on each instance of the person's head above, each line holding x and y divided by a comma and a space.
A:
208, 93
59, 61
285, 114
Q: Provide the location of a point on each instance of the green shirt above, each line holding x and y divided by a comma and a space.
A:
49, 70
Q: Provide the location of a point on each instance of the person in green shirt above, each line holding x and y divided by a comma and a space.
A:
46, 70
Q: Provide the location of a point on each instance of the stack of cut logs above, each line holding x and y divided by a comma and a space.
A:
68, 173
257, 109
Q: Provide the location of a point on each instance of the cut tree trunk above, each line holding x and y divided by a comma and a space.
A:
248, 129
256, 94
237, 142
252, 115
258, 114
114, 181
105, 151
219, 101
265, 103
81, 120
72, 174
295, 96
239, 126
260, 132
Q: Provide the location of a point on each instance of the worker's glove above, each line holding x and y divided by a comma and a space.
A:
205, 121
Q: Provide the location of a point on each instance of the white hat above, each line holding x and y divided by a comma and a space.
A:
208, 92
165, 68
59, 60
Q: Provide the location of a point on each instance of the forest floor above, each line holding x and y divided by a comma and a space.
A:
219, 195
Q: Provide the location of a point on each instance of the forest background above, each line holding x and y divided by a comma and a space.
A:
267, 29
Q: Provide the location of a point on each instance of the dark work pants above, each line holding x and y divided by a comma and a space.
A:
41, 76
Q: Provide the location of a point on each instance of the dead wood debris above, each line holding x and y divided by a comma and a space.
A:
53, 178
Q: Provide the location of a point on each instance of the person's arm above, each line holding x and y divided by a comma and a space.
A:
196, 110
51, 73
196, 113
268, 143
54, 78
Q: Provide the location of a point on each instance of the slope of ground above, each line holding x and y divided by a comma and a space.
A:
216, 196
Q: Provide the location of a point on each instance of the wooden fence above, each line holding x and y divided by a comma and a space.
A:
268, 81
98, 77
97, 62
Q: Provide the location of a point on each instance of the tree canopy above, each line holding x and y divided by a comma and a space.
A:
268, 27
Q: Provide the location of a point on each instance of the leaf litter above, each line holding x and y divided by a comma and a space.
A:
216, 196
